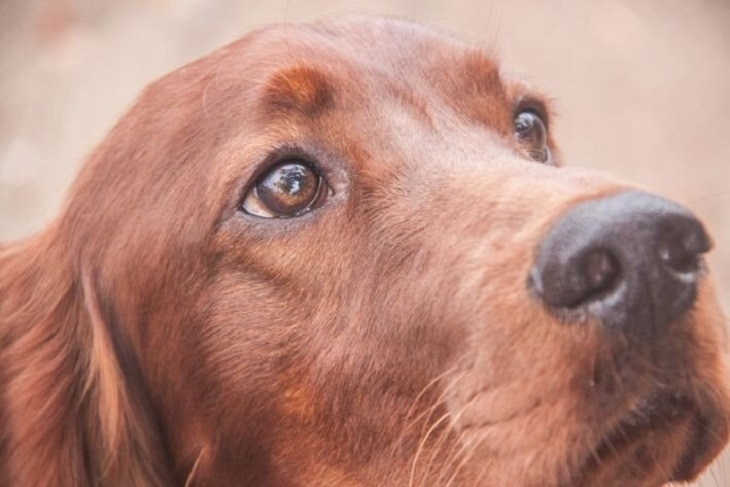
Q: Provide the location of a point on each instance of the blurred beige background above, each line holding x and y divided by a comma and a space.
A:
643, 87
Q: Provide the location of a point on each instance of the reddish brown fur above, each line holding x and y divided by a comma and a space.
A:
155, 335
302, 90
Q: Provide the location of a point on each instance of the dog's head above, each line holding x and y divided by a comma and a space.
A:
345, 254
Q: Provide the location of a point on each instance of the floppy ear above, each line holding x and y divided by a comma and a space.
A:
70, 414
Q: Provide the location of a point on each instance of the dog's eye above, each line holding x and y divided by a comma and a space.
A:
531, 132
289, 189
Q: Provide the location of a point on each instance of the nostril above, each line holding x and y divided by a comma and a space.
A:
568, 280
601, 271
680, 247
677, 258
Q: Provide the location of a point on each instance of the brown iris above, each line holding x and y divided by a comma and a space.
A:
290, 188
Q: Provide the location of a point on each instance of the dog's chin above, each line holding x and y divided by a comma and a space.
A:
664, 440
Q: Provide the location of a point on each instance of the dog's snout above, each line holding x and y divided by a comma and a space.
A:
631, 260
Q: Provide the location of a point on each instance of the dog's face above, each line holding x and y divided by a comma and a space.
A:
328, 243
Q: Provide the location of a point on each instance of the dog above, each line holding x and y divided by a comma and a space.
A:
345, 253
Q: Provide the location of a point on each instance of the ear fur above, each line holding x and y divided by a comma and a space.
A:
70, 414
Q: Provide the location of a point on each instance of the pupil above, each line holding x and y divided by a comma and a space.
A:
292, 180
531, 132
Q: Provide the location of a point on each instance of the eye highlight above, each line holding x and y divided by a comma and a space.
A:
289, 189
531, 132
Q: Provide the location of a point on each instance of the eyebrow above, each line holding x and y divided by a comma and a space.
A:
482, 72
299, 90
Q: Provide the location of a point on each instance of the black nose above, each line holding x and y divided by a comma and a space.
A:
630, 260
